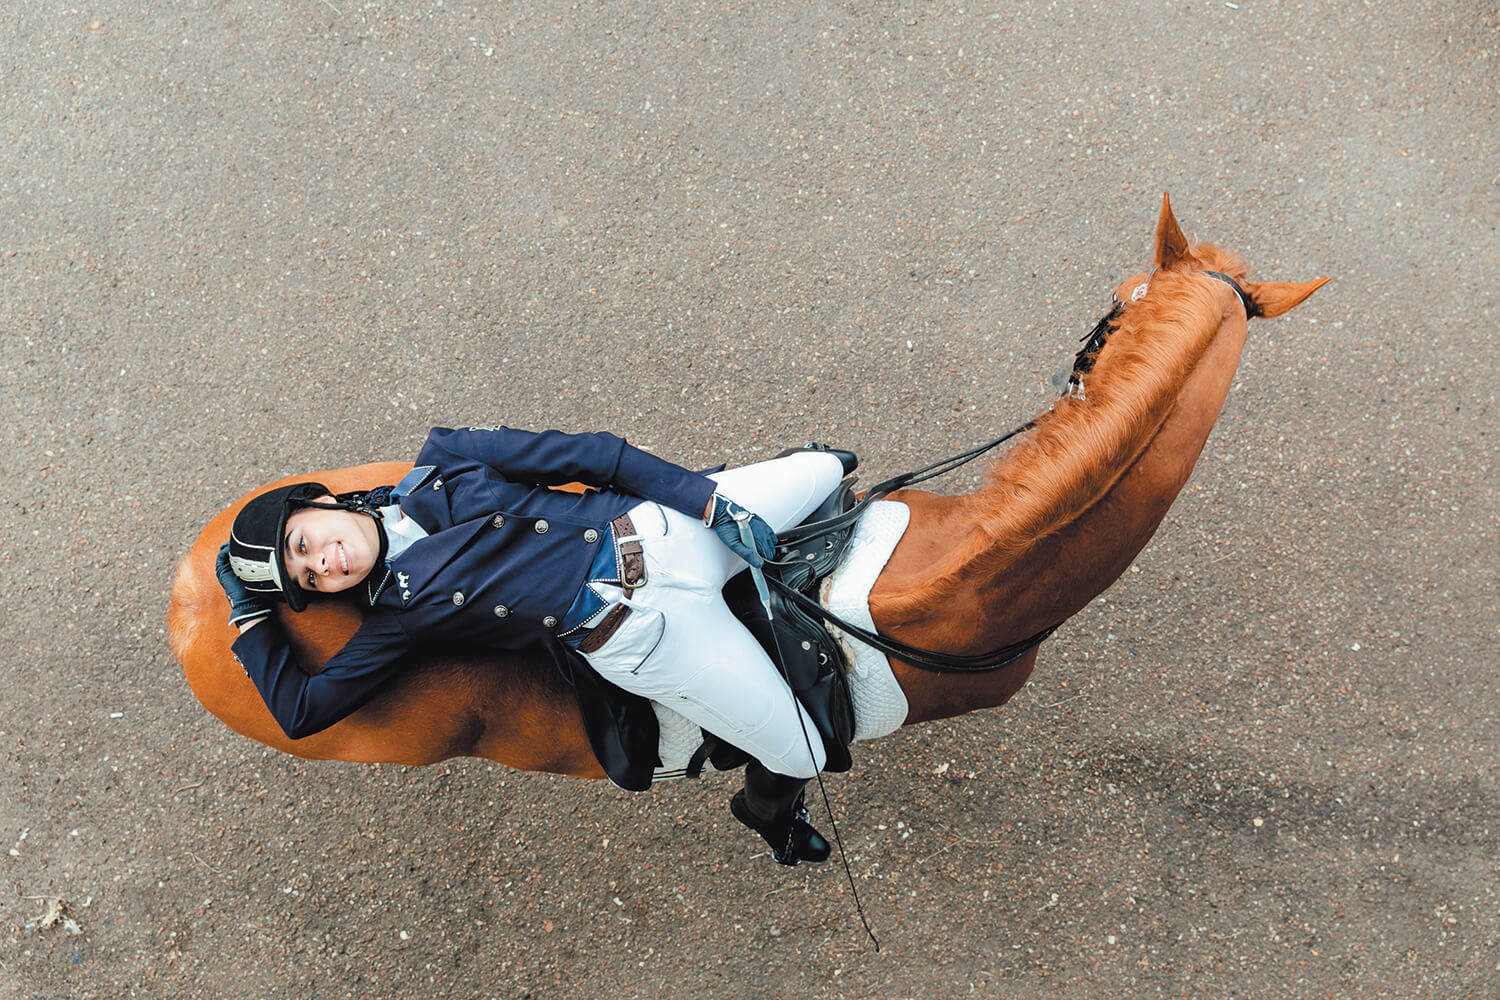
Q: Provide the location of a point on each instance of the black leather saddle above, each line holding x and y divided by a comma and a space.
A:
798, 643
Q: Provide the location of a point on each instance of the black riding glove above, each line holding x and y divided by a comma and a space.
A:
726, 519
244, 607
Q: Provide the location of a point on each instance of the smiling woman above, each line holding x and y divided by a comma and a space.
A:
328, 548
298, 540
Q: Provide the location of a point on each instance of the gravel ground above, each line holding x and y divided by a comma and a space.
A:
241, 241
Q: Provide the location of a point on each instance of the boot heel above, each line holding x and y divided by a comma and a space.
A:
791, 838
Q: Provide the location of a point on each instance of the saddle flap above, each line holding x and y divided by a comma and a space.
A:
803, 562
798, 643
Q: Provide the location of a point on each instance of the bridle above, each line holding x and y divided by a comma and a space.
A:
929, 659
1251, 309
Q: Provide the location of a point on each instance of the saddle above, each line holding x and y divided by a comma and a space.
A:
798, 643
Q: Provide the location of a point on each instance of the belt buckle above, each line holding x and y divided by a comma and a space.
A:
627, 585
631, 554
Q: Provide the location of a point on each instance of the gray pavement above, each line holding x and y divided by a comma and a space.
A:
242, 241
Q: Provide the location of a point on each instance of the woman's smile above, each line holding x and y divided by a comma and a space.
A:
330, 550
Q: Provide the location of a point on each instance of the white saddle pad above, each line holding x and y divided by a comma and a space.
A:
879, 703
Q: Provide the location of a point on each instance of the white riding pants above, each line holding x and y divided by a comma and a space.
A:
680, 645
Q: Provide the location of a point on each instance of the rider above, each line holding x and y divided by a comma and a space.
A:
472, 547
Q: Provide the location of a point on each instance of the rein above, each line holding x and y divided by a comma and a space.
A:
929, 659
926, 659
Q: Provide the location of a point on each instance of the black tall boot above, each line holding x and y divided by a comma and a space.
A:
771, 805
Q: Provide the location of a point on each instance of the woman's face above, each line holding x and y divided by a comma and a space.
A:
330, 550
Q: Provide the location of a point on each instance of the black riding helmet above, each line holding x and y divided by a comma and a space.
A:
257, 551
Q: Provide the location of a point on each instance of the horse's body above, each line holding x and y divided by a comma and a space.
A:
1060, 518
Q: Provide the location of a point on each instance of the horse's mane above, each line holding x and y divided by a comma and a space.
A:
1079, 448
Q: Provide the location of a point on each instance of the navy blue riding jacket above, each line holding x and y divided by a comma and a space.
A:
502, 563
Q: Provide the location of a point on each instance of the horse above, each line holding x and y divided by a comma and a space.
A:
1058, 517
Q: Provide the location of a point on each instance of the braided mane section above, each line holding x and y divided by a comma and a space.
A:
1081, 448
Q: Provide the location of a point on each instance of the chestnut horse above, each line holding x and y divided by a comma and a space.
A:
1061, 516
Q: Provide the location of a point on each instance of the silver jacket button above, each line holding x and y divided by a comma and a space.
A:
549, 622
458, 598
498, 520
541, 527
501, 611
591, 536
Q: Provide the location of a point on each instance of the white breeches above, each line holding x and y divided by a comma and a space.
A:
681, 647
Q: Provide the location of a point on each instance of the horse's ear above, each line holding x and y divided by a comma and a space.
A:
1171, 245
1272, 298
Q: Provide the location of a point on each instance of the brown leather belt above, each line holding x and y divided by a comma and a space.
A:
630, 558
600, 633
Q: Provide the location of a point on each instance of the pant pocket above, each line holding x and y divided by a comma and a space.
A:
636, 639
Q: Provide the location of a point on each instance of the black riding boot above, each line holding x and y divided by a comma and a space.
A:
771, 805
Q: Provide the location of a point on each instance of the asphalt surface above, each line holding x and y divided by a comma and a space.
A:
242, 241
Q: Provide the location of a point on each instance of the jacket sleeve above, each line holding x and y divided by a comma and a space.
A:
552, 458
304, 703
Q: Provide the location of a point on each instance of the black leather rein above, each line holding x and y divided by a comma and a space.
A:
927, 659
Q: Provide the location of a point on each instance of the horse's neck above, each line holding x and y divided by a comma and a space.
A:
1066, 512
